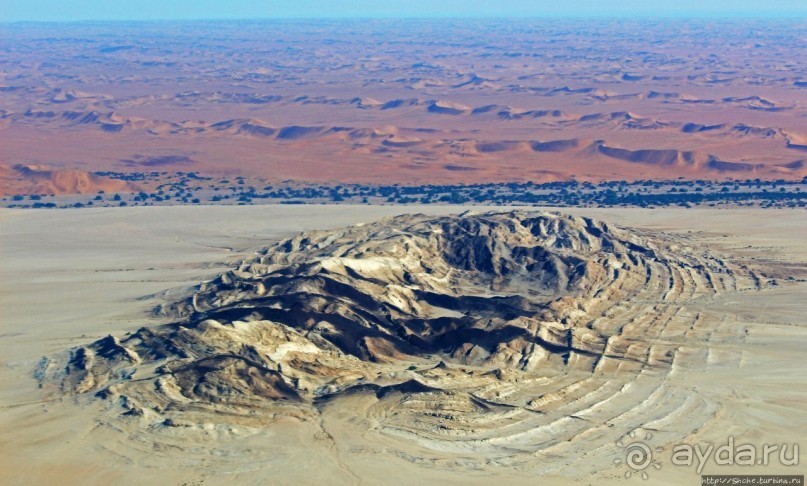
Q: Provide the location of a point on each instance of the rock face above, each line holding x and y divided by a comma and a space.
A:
456, 308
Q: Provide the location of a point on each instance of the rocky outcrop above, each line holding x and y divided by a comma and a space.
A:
399, 305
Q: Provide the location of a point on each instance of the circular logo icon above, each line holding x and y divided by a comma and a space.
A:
638, 455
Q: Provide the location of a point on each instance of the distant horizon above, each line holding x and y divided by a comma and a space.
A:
433, 18
14, 11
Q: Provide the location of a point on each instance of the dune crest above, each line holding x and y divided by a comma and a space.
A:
36, 179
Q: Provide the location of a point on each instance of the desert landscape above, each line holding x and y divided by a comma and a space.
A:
432, 102
402, 251
136, 371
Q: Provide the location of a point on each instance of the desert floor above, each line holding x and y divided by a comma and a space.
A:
69, 277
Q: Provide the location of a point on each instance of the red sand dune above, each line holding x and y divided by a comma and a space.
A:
33, 179
409, 103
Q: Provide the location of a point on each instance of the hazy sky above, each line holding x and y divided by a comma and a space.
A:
12, 10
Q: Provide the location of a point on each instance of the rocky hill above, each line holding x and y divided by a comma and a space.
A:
461, 314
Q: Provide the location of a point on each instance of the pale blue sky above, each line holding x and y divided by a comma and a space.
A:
62, 10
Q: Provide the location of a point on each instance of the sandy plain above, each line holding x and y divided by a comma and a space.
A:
70, 277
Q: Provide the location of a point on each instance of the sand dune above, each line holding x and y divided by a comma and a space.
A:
157, 161
479, 152
297, 132
556, 145
399, 141
509, 113
447, 108
796, 141
492, 106
757, 103
699, 127
364, 102
397, 103
692, 161
475, 150
502, 146
112, 122
35, 179
762, 132
653, 156
69, 95
247, 127
796, 166
478, 81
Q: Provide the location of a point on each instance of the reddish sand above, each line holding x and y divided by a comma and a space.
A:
27, 179
408, 102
